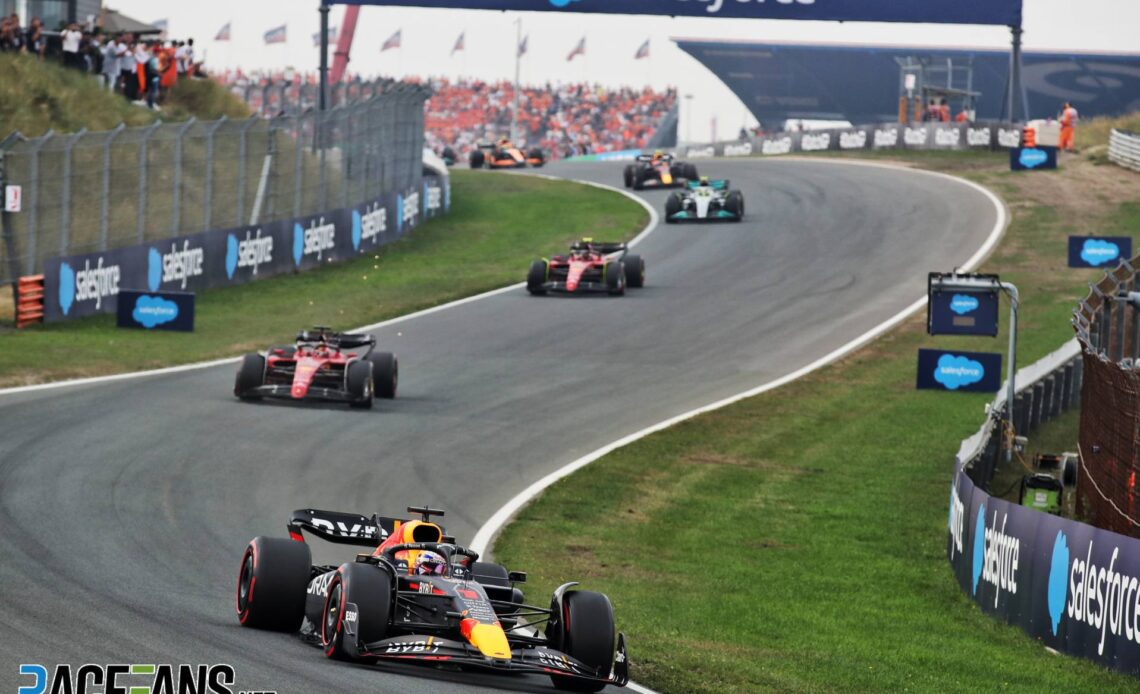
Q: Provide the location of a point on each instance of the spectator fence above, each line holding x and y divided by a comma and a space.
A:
88, 192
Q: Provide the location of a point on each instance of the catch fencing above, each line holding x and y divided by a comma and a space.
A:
92, 192
1108, 329
270, 98
1124, 149
1071, 586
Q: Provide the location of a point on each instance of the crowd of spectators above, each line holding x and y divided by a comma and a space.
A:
142, 70
562, 119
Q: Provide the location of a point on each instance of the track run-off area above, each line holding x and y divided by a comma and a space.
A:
126, 504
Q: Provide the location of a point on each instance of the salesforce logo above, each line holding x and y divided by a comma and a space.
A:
153, 269
955, 372
179, 265
151, 311
66, 287
1058, 580
1101, 598
1098, 252
298, 243
250, 252
963, 304
995, 555
561, 3
979, 548
89, 284
1032, 158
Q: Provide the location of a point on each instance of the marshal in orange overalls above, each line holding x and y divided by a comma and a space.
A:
1068, 124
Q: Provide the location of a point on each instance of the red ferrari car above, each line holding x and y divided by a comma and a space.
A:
590, 267
320, 366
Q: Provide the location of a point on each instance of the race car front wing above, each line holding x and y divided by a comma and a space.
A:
525, 659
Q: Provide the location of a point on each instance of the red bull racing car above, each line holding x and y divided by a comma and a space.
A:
417, 596
322, 365
590, 267
505, 155
658, 170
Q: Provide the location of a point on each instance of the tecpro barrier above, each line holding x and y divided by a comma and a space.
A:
993, 135
83, 285
927, 136
1071, 585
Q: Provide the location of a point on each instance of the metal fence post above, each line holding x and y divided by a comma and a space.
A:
105, 206
208, 194
140, 222
346, 150
176, 205
242, 164
65, 193
322, 120
298, 164
32, 200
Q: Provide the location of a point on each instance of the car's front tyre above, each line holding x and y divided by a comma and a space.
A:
369, 588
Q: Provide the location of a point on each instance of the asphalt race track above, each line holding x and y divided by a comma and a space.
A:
125, 506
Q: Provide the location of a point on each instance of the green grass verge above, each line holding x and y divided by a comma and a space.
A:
497, 224
796, 541
36, 96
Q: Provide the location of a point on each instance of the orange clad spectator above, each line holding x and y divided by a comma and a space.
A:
1069, 117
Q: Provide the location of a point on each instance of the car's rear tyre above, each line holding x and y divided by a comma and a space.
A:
536, 278
250, 375
358, 383
734, 203
615, 278
1069, 473
272, 581
691, 172
385, 374
588, 635
476, 159
672, 207
370, 589
627, 175
634, 271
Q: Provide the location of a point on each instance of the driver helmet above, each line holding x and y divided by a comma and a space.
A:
429, 564
658, 154
505, 142
704, 181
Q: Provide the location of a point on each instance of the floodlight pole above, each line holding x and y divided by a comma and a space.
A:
324, 69
1016, 107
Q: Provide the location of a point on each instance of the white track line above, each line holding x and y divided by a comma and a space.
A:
653, 219
495, 523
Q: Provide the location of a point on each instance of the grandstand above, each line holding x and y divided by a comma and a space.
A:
563, 119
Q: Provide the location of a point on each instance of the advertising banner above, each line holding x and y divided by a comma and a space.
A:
1074, 587
998, 12
965, 372
1032, 158
962, 313
1098, 251
158, 310
84, 285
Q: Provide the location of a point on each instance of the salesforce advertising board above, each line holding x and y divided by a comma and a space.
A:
1073, 586
84, 285
1000, 12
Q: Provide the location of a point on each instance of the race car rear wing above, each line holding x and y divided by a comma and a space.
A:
345, 528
